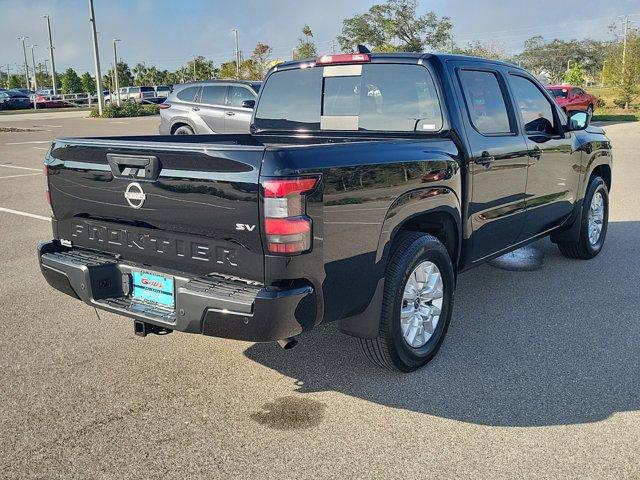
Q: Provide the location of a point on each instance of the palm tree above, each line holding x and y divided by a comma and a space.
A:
140, 73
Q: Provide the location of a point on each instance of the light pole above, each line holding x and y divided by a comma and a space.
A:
96, 57
115, 70
35, 79
33, 66
235, 32
26, 65
53, 65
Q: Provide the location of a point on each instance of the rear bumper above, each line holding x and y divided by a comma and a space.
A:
210, 305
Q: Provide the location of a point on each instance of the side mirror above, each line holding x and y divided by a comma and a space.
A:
248, 104
578, 120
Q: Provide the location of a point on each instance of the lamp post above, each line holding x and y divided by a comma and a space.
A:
26, 65
33, 65
53, 65
35, 79
235, 32
115, 70
96, 56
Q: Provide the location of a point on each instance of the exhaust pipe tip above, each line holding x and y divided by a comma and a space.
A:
288, 343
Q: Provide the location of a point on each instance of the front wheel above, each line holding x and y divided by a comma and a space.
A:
590, 111
594, 223
416, 305
183, 130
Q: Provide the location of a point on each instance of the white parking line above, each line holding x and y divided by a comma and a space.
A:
50, 126
25, 214
21, 175
28, 143
41, 148
20, 168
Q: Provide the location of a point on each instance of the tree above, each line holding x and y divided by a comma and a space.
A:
139, 74
88, 84
125, 77
260, 59
575, 75
15, 81
70, 82
42, 76
625, 77
306, 47
484, 50
203, 69
395, 26
553, 57
227, 70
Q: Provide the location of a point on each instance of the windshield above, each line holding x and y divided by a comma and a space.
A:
558, 92
370, 97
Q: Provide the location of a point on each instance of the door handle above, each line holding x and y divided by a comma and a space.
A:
230, 114
485, 159
536, 153
195, 109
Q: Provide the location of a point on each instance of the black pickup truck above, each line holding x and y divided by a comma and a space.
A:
367, 184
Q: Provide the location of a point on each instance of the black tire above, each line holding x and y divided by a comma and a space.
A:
590, 111
183, 130
389, 349
583, 248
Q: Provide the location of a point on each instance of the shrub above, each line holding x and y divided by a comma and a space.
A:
600, 103
127, 109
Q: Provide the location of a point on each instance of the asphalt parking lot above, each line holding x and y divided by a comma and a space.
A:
539, 376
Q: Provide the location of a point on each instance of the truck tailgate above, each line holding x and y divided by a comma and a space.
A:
161, 202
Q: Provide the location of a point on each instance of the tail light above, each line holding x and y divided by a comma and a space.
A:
286, 225
163, 106
46, 180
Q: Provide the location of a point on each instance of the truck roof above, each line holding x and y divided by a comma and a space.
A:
403, 57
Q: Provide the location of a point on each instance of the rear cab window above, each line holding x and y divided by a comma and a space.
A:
381, 97
485, 102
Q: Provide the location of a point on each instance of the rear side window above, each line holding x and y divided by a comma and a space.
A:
485, 101
237, 95
213, 94
147, 89
370, 97
535, 110
134, 90
291, 100
188, 94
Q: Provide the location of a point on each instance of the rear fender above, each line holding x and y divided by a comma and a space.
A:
406, 208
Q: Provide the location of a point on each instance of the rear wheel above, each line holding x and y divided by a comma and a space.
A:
183, 130
416, 305
595, 219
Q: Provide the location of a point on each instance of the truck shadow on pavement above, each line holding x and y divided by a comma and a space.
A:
555, 346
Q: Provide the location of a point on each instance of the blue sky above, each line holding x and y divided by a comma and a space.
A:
167, 33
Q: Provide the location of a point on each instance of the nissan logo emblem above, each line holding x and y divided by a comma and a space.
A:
134, 195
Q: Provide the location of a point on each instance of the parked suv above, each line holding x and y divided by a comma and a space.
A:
214, 106
133, 94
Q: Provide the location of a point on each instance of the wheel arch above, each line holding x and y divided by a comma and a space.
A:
434, 210
603, 171
431, 210
180, 122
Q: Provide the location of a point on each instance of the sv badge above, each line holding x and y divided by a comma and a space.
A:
245, 227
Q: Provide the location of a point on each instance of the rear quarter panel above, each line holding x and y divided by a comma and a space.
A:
367, 190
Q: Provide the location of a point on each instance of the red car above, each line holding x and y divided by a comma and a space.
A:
573, 98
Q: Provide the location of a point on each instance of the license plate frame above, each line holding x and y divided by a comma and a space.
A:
153, 287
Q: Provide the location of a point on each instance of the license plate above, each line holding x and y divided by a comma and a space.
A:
152, 287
